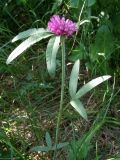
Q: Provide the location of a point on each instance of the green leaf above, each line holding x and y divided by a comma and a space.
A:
103, 45
80, 149
28, 33
56, 5
60, 145
74, 3
26, 44
74, 79
91, 2
40, 148
90, 85
48, 140
78, 53
47, 149
79, 108
19, 2
51, 52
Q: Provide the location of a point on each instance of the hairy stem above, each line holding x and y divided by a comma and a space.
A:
62, 93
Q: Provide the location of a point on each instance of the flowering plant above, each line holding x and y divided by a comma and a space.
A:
58, 29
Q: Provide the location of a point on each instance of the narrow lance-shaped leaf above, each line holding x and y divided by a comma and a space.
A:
48, 140
90, 85
60, 145
47, 149
28, 33
51, 52
79, 108
74, 79
26, 44
40, 149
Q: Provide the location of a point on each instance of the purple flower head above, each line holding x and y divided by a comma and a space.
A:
60, 26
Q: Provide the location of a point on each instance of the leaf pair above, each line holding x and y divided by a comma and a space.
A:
75, 95
49, 146
33, 36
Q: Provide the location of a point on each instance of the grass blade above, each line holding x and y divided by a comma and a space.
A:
82, 22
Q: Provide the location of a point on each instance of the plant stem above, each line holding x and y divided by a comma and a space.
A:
62, 93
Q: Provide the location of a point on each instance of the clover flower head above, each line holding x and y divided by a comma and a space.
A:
59, 26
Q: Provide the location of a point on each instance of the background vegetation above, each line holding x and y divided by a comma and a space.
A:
29, 98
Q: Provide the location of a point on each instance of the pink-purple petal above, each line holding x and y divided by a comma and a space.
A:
59, 26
